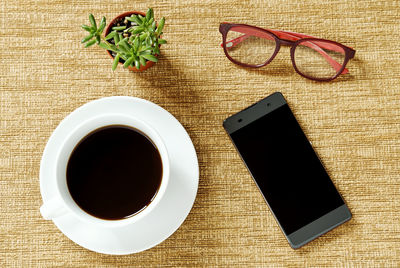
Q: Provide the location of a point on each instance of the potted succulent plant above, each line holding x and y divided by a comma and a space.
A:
132, 39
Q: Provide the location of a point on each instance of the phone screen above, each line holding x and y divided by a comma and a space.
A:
286, 169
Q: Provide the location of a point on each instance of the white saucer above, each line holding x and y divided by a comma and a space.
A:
179, 197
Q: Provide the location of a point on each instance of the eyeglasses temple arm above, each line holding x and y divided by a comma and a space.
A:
247, 33
296, 36
236, 41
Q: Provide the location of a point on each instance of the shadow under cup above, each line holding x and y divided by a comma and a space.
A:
111, 170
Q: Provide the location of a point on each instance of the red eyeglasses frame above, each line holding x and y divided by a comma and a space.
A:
286, 38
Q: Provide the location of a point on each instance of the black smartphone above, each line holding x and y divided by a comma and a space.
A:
287, 171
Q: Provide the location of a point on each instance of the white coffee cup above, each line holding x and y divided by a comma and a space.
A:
62, 203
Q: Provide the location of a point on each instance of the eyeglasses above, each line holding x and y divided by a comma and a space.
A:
313, 58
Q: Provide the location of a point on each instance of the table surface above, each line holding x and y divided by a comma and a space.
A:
353, 124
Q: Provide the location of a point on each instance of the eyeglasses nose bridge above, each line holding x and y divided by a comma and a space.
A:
287, 42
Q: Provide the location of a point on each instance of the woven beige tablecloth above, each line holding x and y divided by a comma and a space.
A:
352, 122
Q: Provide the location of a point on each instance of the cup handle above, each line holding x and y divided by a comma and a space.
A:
52, 209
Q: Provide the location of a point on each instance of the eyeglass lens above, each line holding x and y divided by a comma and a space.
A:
249, 46
319, 59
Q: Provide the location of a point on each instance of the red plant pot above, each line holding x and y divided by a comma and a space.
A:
108, 30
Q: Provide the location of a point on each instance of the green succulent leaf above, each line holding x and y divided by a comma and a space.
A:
119, 28
102, 25
160, 26
111, 35
142, 60
147, 52
151, 21
123, 49
90, 43
137, 64
86, 28
92, 21
156, 50
104, 45
149, 14
108, 46
147, 41
123, 56
116, 38
136, 44
142, 36
162, 41
137, 30
144, 48
123, 44
138, 20
131, 18
150, 57
135, 18
153, 26
128, 62
87, 38
98, 39
113, 47
115, 62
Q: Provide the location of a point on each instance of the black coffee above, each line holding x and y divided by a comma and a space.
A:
114, 172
